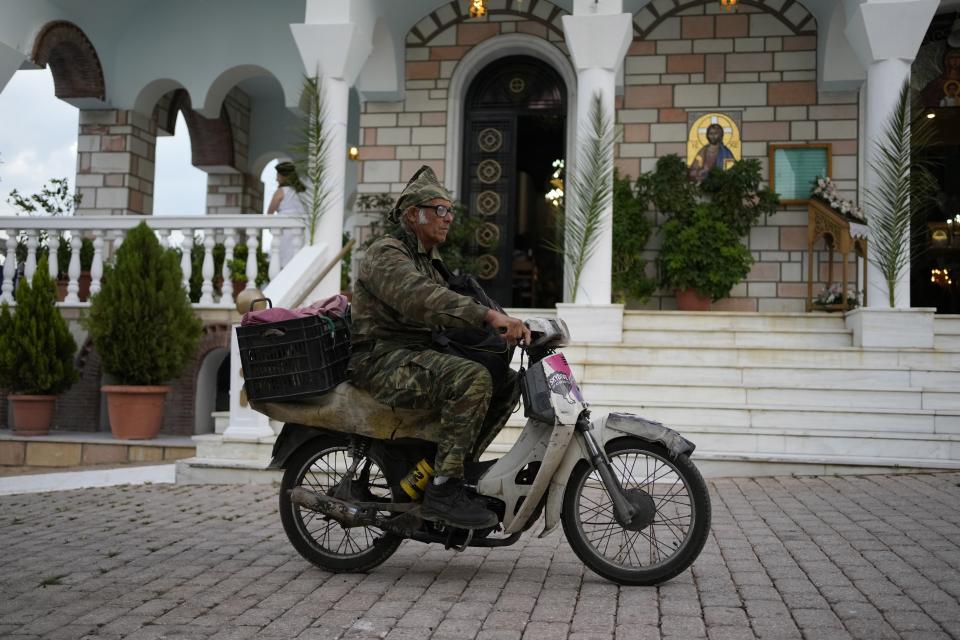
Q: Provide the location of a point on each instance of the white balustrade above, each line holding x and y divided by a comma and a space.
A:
108, 232
226, 289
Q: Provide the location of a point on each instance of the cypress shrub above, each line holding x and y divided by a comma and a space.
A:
36, 347
141, 322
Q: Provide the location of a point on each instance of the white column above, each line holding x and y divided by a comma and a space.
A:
885, 79
330, 229
885, 35
335, 42
598, 37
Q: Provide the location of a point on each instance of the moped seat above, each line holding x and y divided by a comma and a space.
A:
348, 409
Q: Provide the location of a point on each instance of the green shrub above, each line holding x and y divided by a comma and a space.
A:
702, 246
631, 230
141, 322
238, 266
36, 347
702, 253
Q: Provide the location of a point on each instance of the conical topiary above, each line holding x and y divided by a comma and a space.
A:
36, 347
141, 321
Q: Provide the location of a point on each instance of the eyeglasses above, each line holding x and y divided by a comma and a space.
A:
440, 210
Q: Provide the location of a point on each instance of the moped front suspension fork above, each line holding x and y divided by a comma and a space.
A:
622, 509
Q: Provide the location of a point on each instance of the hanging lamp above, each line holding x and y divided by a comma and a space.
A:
477, 9
729, 5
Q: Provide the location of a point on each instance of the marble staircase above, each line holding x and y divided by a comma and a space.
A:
784, 392
758, 394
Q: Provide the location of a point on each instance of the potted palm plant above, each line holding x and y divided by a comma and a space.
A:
142, 325
36, 354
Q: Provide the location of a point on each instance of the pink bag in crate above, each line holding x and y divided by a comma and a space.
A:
332, 307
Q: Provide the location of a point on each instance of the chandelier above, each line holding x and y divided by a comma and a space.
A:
729, 5
477, 9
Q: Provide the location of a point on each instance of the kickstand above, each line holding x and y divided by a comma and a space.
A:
450, 545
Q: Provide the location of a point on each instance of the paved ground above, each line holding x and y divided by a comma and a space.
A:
831, 557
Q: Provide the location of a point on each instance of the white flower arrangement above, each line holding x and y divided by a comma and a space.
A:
834, 295
826, 190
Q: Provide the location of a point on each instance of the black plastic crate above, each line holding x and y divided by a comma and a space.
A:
294, 358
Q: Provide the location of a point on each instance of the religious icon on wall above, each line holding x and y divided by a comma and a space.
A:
713, 141
944, 90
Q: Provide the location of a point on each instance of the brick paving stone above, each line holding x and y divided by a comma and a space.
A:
821, 557
729, 633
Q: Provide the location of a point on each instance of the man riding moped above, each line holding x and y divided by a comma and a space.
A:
401, 298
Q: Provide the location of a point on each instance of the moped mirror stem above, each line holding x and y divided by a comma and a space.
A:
622, 509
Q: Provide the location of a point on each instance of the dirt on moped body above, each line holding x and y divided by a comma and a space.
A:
633, 506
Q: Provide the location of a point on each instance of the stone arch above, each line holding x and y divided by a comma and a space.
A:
74, 63
258, 164
479, 57
382, 75
217, 92
155, 95
791, 13
181, 403
211, 139
542, 12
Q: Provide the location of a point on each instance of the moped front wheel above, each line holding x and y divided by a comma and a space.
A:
320, 465
667, 535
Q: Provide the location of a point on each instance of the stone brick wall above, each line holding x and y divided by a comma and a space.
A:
758, 62
230, 190
181, 401
398, 137
115, 162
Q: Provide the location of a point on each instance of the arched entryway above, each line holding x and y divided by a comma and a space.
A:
514, 131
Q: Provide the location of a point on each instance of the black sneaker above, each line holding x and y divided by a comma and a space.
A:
450, 504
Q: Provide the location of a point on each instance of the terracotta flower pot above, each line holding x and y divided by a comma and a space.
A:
32, 415
136, 412
691, 300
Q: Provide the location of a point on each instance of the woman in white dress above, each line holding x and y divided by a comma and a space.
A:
287, 201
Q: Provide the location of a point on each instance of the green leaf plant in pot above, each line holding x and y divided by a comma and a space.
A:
36, 354
702, 256
145, 331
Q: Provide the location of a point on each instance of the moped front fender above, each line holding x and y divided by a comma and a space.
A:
607, 428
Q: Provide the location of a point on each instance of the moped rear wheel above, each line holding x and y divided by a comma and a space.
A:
657, 546
319, 466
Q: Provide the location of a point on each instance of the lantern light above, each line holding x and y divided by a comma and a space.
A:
729, 5
477, 9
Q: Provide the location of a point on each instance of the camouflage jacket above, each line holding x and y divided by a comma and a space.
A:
399, 298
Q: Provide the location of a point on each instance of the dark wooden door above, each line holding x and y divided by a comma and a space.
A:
505, 94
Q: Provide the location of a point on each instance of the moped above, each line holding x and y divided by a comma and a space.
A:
634, 508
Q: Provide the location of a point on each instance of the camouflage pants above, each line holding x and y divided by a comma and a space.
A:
472, 408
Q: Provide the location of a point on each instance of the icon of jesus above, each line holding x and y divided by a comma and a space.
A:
713, 154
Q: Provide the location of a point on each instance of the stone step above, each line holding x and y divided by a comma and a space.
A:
689, 416
217, 447
819, 359
764, 377
731, 321
74, 449
768, 395
947, 342
837, 447
808, 339
946, 324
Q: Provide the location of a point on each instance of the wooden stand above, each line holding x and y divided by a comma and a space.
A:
835, 229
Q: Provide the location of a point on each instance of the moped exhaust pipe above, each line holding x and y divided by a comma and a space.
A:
343, 512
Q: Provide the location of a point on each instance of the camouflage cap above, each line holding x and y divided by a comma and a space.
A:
423, 187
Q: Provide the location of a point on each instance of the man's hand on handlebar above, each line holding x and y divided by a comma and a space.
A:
513, 330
